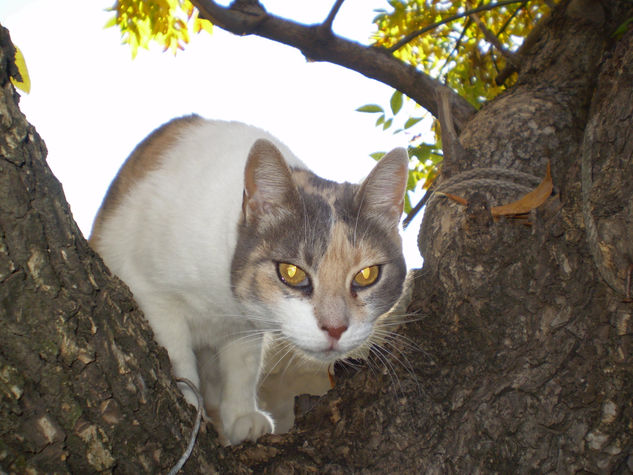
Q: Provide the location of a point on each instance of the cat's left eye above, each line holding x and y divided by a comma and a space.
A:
367, 276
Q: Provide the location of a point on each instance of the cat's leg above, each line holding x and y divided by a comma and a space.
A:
240, 365
171, 331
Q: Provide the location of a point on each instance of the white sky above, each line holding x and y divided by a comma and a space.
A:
92, 103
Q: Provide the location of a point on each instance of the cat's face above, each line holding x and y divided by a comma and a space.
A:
318, 262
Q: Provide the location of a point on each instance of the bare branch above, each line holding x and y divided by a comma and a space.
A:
511, 17
416, 209
330, 18
375, 63
410, 37
457, 45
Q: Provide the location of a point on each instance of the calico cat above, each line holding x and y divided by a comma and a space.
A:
227, 241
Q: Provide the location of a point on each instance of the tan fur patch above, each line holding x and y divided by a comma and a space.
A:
304, 179
145, 158
335, 273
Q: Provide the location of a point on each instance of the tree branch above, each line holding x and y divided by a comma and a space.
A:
451, 147
375, 63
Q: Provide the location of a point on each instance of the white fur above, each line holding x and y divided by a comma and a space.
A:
177, 262
172, 240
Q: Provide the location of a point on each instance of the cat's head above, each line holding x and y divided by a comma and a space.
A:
318, 262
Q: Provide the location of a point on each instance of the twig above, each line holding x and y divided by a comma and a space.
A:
527, 45
194, 431
457, 45
627, 297
415, 34
330, 18
416, 209
511, 17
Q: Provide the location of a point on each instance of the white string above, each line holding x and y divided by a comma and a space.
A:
194, 432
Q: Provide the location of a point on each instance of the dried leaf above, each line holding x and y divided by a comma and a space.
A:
455, 198
330, 375
529, 201
523, 205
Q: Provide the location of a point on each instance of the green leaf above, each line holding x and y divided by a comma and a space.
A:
377, 155
412, 180
396, 102
380, 120
387, 124
622, 28
412, 121
111, 22
407, 204
371, 108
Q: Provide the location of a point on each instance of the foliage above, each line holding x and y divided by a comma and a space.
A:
166, 22
465, 44
465, 50
459, 52
425, 156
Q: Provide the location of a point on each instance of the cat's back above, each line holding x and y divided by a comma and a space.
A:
188, 151
180, 190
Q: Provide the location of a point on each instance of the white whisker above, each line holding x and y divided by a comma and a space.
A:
379, 352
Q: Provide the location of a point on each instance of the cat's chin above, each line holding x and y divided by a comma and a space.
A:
324, 356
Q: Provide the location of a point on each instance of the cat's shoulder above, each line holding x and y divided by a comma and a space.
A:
187, 140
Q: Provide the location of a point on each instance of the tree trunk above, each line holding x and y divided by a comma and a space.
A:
83, 386
520, 359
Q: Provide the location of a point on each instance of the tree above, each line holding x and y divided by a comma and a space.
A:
525, 335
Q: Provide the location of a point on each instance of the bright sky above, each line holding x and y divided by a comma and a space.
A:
92, 103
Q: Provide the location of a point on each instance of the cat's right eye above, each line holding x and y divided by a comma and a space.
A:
292, 275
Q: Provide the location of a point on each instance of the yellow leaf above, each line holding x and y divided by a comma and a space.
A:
202, 24
24, 84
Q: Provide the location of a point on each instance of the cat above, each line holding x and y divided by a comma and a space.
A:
228, 241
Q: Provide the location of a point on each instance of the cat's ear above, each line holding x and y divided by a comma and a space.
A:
381, 195
268, 184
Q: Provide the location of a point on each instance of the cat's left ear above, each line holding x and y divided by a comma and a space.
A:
269, 190
381, 195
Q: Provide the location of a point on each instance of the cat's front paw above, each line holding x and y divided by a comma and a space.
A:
249, 427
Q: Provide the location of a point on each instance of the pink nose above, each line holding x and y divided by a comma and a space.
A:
334, 332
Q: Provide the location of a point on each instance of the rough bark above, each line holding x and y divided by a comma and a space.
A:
524, 342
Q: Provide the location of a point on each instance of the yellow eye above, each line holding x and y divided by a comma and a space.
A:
367, 276
292, 275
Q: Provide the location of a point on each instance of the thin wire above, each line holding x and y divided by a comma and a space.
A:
194, 432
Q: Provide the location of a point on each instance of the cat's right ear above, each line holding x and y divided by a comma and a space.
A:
268, 185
